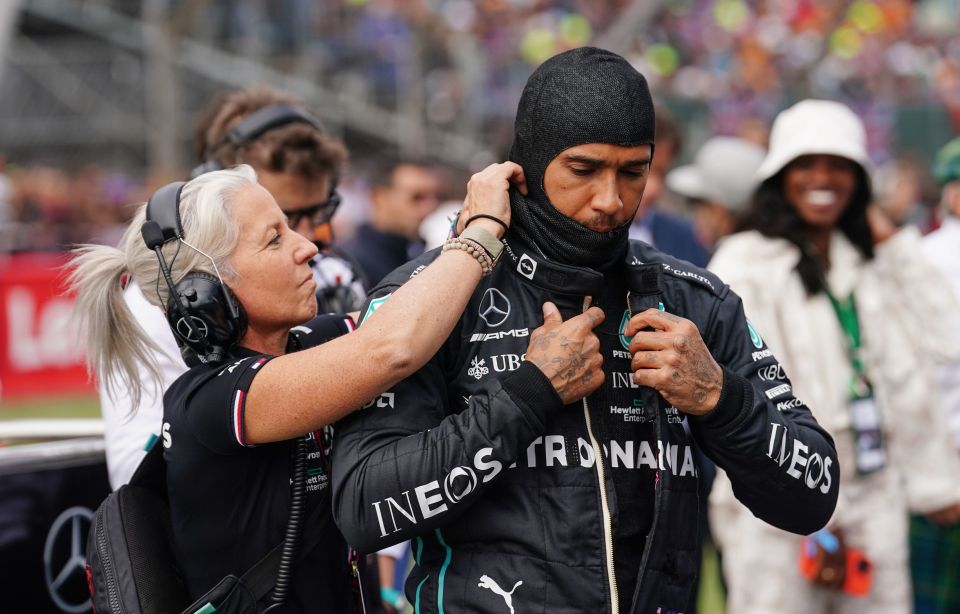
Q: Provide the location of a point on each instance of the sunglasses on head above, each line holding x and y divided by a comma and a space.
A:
318, 214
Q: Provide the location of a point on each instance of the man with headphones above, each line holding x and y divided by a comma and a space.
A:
299, 164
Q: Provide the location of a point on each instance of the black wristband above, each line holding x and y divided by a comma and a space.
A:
487, 217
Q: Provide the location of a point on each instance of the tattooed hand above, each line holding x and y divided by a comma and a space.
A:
673, 360
568, 352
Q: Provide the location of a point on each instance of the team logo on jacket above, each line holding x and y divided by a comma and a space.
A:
527, 266
477, 368
754, 336
624, 339
373, 306
494, 307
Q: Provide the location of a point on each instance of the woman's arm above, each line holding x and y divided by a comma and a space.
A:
300, 392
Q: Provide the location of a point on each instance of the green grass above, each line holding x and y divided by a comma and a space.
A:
53, 408
711, 599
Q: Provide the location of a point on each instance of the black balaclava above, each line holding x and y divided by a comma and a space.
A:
585, 95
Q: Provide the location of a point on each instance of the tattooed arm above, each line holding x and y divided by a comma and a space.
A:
409, 451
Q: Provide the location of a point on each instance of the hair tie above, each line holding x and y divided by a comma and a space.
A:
487, 217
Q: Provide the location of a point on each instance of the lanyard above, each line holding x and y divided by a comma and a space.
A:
846, 311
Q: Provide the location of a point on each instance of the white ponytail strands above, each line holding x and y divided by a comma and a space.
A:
118, 349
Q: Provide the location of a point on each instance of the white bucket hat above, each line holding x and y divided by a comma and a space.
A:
815, 127
723, 171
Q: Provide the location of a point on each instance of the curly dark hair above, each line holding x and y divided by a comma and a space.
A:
771, 214
296, 148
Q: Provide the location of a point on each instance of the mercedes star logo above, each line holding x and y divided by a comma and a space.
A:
186, 332
494, 308
67, 533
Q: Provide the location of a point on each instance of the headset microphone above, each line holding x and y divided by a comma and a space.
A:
152, 235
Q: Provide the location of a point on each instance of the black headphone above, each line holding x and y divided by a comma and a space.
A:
203, 313
251, 127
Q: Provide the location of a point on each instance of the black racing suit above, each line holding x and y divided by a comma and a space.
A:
517, 503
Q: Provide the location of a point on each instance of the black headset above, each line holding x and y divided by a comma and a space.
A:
203, 313
251, 127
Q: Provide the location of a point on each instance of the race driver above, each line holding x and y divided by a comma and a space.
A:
589, 506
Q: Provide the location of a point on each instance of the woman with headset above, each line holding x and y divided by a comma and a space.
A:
299, 164
218, 255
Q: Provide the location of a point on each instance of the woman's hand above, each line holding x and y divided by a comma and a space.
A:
488, 194
568, 352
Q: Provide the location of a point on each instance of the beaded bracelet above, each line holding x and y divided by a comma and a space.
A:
474, 249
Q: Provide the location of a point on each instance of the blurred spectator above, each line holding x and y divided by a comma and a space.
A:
718, 185
935, 541
436, 227
900, 193
835, 291
404, 194
665, 231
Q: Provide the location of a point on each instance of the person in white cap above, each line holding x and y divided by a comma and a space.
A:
719, 183
935, 540
858, 320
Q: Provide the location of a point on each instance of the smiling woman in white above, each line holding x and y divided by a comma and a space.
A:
859, 321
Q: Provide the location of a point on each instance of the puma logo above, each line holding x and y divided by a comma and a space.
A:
488, 582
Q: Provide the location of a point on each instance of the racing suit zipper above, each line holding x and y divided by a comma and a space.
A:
604, 504
657, 485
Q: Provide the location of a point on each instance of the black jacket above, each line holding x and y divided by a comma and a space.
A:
475, 458
378, 253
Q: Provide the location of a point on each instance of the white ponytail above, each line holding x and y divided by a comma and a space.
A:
118, 349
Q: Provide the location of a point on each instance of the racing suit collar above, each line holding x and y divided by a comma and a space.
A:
527, 262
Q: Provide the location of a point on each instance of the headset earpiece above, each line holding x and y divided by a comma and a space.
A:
202, 312
200, 315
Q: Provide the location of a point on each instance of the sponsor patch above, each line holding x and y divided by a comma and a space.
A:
384, 400
477, 368
516, 332
761, 355
777, 391
527, 266
772, 372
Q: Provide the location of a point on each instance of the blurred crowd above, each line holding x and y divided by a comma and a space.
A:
464, 62
46, 208
744, 60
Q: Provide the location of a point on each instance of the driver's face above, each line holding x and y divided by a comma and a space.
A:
598, 185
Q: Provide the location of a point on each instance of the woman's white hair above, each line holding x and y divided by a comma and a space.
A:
118, 349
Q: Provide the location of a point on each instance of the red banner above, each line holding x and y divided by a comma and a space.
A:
41, 352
